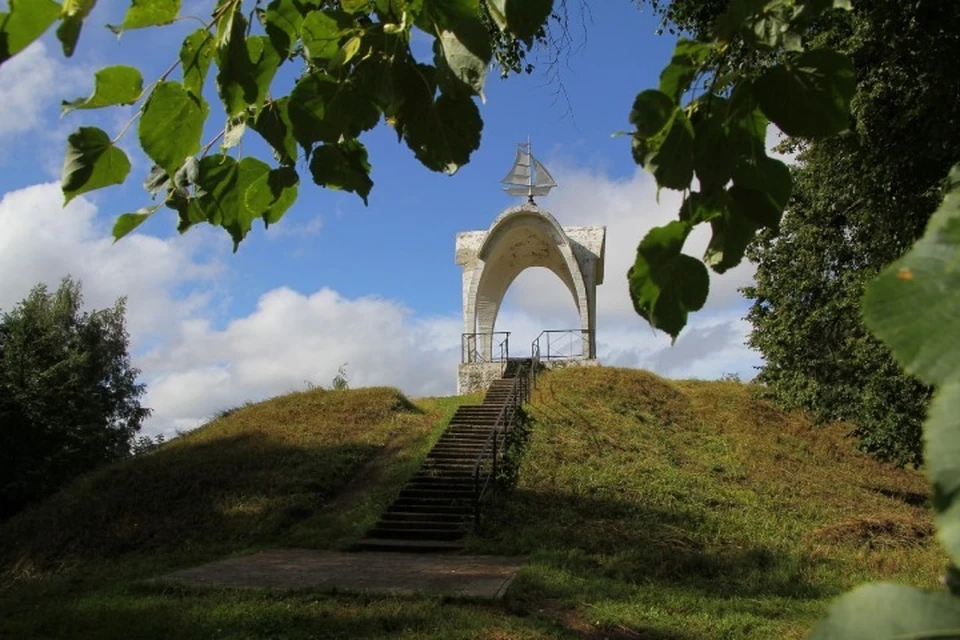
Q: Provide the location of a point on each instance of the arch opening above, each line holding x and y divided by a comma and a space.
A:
526, 250
537, 300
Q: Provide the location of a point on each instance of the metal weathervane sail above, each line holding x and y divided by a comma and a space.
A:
528, 177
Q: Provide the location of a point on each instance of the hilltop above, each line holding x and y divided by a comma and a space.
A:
649, 508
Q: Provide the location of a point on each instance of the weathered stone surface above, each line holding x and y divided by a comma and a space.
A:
456, 575
477, 376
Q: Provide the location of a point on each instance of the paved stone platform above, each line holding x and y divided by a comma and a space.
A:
486, 577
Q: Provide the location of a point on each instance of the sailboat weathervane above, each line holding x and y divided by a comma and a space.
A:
528, 177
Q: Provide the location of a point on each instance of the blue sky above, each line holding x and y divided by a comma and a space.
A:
336, 281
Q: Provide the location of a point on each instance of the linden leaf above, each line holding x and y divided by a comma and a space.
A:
92, 162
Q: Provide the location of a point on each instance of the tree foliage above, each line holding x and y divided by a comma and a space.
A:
860, 200
355, 69
69, 399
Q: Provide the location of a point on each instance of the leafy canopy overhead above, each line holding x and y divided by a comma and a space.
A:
356, 69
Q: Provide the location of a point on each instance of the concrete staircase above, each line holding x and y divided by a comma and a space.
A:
436, 508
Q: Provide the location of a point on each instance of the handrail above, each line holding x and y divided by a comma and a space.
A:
584, 336
518, 394
469, 353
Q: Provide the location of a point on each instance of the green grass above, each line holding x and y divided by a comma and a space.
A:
649, 509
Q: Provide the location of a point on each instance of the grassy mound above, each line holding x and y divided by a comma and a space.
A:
649, 508
696, 509
265, 473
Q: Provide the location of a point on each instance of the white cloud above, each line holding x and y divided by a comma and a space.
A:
40, 241
287, 228
193, 369
28, 79
33, 77
291, 339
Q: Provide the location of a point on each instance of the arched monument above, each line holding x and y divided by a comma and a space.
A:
521, 237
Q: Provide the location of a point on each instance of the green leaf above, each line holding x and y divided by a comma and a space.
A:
112, 86
522, 18
233, 132
713, 158
465, 66
221, 189
688, 56
398, 11
651, 112
346, 53
462, 36
323, 109
356, 6
269, 196
941, 456
247, 67
808, 10
321, 33
273, 124
26, 21
72, 16
734, 226
668, 154
283, 21
157, 181
443, 133
700, 207
130, 221
768, 176
148, 13
881, 610
770, 28
342, 166
171, 125
914, 306
233, 194
92, 162
911, 304
196, 54
809, 95
665, 284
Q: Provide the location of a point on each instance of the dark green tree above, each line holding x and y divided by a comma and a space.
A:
69, 397
860, 201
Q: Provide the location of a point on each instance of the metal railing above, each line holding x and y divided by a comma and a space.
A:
562, 344
485, 347
491, 456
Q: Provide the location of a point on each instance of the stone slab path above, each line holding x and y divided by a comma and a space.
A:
486, 577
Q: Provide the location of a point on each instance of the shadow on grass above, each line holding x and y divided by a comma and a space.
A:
605, 546
151, 611
235, 492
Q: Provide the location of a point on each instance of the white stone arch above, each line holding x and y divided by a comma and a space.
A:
522, 237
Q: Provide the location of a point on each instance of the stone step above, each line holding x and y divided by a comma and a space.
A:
418, 504
468, 431
416, 534
421, 525
452, 494
462, 481
441, 465
414, 506
462, 442
409, 546
423, 516
456, 476
455, 453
